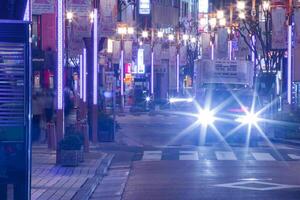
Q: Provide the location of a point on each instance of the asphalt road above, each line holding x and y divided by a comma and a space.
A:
162, 162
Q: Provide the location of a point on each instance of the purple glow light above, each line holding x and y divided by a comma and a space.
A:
81, 76
84, 74
177, 72
230, 49
212, 51
122, 72
95, 57
60, 42
152, 72
289, 78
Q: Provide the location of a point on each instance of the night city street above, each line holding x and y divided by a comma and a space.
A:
154, 168
149, 99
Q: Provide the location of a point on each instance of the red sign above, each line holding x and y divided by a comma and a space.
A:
128, 67
48, 33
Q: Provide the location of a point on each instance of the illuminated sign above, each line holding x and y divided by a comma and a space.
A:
203, 6
128, 67
140, 61
144, 7
110, 46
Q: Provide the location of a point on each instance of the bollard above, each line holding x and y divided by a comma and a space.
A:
51, 136
84, 128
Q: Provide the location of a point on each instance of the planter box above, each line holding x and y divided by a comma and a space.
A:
105, 136
69, 157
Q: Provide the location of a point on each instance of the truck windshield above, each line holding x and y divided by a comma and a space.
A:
230, 100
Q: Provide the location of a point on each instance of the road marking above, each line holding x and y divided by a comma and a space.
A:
188, 155
225, 155
263, 156
257, 185
152, 155
294, 156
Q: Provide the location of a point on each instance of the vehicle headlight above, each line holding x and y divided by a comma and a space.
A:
249, 118
206, 117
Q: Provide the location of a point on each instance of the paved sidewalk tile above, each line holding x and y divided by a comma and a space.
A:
54, 182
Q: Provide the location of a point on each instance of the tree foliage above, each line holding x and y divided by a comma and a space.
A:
268, 60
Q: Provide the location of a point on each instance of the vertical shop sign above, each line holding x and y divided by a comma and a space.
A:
279, 29
222, 42
108, 12
42, 6
296, 71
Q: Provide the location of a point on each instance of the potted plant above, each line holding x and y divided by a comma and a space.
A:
71, 152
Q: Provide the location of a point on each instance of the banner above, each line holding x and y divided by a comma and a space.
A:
147, 54
206, 48
43, 6
279, 29
127, 51
172, 55
242, 50
108, 14
79, 7
116, 52
48, 35
296, 73
80, 28
183, 56
157, 54
222, 44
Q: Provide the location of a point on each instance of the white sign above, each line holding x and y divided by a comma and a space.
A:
144, 7
140, 61
224, 71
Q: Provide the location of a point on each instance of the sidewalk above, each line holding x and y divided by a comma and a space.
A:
51, 181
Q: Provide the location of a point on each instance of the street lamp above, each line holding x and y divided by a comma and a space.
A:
145, 34
266, 5
123, 30
222, 22
213, 22
160, 34
171, 37
220, 14
185, 37
242, 15
241, 5
193, 40
91, 16
70, 16
130, 30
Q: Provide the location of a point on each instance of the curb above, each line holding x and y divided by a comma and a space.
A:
87, 189
285, 141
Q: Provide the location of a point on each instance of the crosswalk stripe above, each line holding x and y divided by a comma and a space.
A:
294, 156
225, 155
188, 155
263, 156
152, 155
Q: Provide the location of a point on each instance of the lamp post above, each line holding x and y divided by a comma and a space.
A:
123, 31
